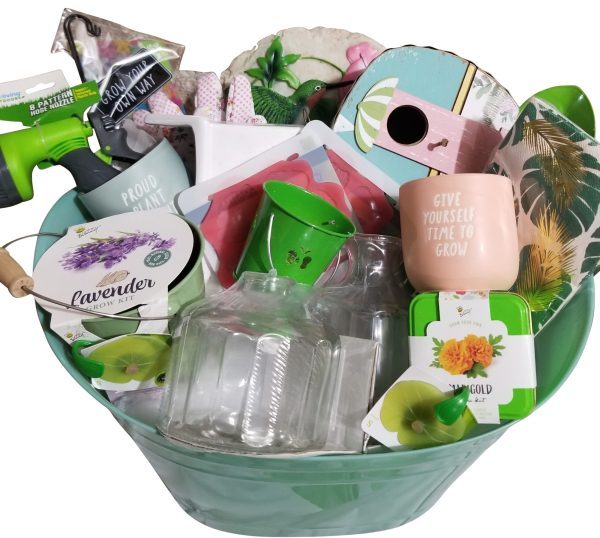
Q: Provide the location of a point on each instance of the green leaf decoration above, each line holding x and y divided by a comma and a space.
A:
537, 284
285, 75
477, 371
289, 59
591, 260
556, 172
436, 349
575, 134
560, 174
589, 161
273, 66
257, 74
558, 159
264, 67
275, 48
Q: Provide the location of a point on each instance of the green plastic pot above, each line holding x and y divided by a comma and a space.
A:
295, 232
325, 495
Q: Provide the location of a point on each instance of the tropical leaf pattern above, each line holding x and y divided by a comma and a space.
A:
591, 260
546, 264
516, 133
555, 169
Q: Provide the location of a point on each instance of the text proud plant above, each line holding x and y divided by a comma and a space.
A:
469, 356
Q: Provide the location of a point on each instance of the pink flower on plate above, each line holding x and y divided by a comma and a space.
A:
359, 56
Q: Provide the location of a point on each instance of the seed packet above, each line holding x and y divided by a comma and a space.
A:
115, 43
479, 340
119, 264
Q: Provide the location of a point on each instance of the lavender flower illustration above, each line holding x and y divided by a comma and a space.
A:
111, 250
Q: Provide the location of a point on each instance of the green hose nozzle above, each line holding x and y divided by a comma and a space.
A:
61, 142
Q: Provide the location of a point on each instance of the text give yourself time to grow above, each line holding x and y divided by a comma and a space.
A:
449, 224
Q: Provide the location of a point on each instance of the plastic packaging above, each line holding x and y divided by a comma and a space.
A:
369, 286
129, 66
253, 372
114, 44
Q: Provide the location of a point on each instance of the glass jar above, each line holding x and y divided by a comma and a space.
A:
251, 372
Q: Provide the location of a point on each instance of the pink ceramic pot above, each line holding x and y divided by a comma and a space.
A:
459, 232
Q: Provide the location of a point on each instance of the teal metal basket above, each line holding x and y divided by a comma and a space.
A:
322, 495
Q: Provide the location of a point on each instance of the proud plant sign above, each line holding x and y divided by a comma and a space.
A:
449, 224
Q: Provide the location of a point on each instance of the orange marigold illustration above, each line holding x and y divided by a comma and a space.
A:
454, 357
479, 349
469, 356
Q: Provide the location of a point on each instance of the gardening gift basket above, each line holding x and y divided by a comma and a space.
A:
312, 289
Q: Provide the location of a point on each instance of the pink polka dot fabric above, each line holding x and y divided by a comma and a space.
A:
209, 102
240, 108
209, 97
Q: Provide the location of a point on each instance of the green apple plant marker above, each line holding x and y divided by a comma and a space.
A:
409, 409
138, 357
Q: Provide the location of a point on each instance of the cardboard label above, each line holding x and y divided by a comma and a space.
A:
19, 91
130, 84
378, 424
45, 98
114, 265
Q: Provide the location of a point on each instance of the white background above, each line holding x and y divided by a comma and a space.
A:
66, 467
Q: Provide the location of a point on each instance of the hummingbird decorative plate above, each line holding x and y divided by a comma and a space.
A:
292, 72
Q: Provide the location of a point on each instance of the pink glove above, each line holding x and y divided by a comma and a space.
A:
209, 102
240, 107
209, 97
158, 103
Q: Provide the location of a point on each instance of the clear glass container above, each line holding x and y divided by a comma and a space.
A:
367, 296
251, 372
